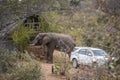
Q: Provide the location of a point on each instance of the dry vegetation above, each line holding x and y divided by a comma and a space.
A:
19, 66
62, 66
61, 63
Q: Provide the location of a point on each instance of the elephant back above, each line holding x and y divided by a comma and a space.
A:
65, 43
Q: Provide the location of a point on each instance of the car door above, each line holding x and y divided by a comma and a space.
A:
82, 56
89, 57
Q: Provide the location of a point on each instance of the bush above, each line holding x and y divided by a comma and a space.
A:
21, 37
61, 65
90, 73
43, 24
110, 7
14, 66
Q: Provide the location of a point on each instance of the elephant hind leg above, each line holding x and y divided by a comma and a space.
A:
69, 53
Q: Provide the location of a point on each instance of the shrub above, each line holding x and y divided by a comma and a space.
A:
44, 26
91, 73
61, 65
21, 37
114, 67
14, 66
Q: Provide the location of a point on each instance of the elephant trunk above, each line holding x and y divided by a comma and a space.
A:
36, 42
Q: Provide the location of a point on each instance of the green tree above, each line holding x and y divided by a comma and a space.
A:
21, 37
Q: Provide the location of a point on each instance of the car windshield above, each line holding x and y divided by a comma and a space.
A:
75, 49
99, 53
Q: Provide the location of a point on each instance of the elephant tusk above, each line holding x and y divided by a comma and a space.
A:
32, 44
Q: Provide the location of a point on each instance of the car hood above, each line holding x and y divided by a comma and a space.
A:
101, 59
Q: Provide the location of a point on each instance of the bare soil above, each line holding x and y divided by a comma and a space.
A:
47, 69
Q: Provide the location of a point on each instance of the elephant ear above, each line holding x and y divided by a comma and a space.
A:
46, 40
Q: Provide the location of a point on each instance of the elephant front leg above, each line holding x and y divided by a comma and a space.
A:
46, 52
50, 55
51, 48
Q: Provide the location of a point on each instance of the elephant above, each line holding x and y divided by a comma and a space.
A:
54, 41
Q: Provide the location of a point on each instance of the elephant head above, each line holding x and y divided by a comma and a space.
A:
41, 39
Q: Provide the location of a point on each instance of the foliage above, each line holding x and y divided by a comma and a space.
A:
112, 10
21, 37
110, 7
114, 67
53, 20
44, 26
22, 66
61, 66
104, 74
90, 73
13, 10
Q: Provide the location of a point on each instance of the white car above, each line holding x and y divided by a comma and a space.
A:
88, 56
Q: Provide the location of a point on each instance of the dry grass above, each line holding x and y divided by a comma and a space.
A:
90, 73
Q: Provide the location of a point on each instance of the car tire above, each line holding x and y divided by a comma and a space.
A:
75, 63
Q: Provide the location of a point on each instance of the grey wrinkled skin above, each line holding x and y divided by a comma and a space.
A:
54, 41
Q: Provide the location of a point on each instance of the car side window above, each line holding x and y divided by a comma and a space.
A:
88, 53
82, 51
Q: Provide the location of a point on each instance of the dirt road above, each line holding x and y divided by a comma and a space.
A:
46, 67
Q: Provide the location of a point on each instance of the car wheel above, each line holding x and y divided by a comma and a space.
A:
75, 63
